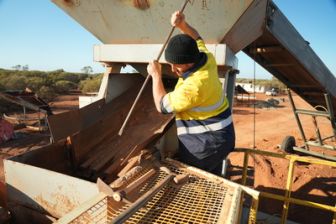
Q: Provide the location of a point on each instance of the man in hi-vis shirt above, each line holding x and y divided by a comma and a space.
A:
203, 116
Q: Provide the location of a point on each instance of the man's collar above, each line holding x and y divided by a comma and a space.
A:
196, 66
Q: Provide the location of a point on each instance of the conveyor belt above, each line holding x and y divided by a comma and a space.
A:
266, 35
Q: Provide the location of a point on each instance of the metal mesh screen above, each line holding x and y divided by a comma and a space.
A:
198, 201
98, 213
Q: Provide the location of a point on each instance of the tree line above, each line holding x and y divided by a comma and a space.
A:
48, 85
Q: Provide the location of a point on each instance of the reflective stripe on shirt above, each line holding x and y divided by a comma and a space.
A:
205, 128
167, 108
215, 123
210, 108
165, 105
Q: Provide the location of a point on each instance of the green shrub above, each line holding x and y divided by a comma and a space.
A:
15, 82
64, 86
35, 83
47, 93
90, 85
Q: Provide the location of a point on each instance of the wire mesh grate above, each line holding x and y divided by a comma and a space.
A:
198, 201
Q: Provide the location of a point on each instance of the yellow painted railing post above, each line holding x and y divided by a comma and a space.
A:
253, 211
288, 190
243, 182
246, 158
334, 219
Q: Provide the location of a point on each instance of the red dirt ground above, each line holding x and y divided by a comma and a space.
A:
267, 128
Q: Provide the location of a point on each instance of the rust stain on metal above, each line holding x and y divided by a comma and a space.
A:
71, 3
204, 4
141, 4
57, 205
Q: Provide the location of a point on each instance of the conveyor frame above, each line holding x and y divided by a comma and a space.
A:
320, 142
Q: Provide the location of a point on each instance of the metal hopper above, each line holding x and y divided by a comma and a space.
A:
134, 36
121, 22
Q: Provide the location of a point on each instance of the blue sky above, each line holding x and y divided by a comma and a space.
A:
38, 34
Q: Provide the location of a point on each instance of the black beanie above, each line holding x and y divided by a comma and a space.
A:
182, 49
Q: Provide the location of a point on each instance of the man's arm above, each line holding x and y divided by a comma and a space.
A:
154, 69
178, 20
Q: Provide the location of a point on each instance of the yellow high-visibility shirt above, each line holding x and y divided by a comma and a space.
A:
197, 95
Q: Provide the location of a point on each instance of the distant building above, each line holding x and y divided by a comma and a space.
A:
249, 87
241, 93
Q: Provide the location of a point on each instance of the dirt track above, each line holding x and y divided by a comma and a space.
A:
267, 129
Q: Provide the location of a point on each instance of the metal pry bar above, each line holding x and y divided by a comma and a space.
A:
148, 76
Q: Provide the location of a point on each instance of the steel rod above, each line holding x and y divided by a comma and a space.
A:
297, 118
316, 154
148, 76
331, 113
122, 217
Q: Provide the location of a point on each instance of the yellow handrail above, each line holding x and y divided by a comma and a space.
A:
287, 199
